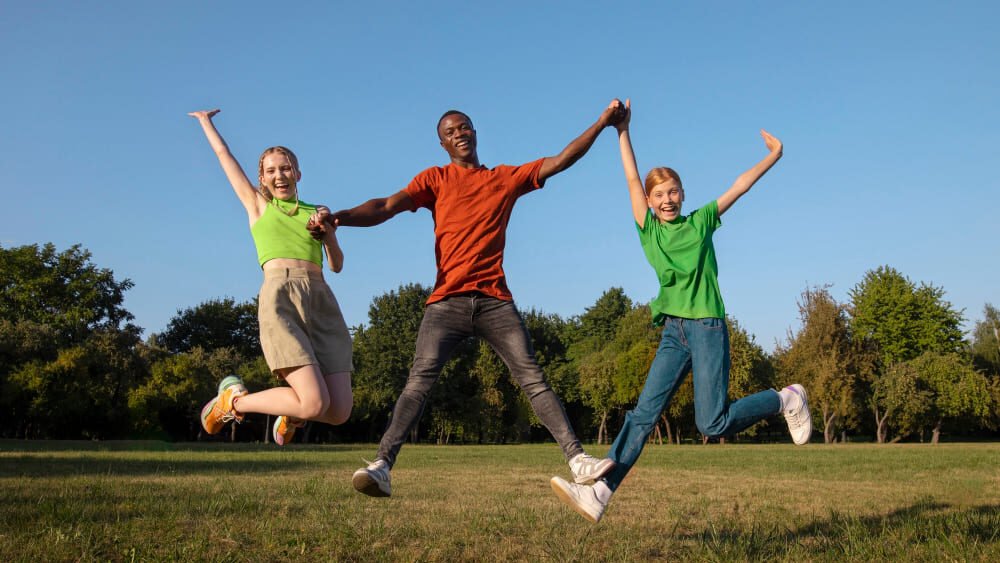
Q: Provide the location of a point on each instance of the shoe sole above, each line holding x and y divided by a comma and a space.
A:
604, 467
569, 501
205, 411
363, 483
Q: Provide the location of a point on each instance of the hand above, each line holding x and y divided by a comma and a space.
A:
772, 142
614, 113
320, 224
204, 114
623, 124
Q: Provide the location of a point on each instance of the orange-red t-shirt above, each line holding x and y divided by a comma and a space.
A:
471, 209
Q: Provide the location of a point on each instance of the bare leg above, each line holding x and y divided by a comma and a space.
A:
338, 386
305, 397
308, 396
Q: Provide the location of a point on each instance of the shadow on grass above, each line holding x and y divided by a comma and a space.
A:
941, 528
19, 458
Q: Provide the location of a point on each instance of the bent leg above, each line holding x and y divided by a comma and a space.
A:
671, 364
714, 414
305, 397
338, 385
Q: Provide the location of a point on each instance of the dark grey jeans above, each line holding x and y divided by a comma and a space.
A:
445, 324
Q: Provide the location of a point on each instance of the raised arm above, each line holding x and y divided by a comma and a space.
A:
579, 146
747, 179
234, 172
636, 192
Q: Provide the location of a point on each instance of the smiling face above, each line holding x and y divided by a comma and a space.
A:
279, 173
665, 199
458, 138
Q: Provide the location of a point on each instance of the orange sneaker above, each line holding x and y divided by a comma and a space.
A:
217, 412
284, 429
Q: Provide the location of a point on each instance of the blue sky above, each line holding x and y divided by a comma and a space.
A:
888, 112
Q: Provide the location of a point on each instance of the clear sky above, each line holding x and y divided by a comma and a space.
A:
888, 112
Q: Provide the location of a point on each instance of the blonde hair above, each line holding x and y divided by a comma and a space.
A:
260, 172
661, 174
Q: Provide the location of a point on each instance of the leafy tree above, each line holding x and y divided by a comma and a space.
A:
383, 352
593, 356
63, 290
168, 404
899, 321
903, 319
217, 323
985, 346
820, 355
960, 392
69, 353
82, 393
601, 320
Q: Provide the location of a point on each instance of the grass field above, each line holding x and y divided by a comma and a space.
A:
150, 501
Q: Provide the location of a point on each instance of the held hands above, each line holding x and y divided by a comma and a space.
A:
320, 223
626, 118
614, 113
204, 114
772, 142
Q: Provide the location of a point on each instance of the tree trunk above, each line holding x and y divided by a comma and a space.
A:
666, 424
656, 434
603, 428
267, 430
937, 432
829, 419
881, 426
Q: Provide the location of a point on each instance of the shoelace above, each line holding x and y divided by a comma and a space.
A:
372, 467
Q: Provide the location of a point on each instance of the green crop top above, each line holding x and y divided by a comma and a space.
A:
279, 236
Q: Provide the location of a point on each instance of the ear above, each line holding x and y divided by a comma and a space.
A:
298, 175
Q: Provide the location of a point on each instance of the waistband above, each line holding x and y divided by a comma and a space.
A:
292, 273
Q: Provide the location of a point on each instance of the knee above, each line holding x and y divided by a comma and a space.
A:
314, 407
711, 428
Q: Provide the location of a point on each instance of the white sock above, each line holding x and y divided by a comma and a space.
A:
603, 491
789, 399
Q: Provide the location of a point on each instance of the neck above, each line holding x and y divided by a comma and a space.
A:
472, 161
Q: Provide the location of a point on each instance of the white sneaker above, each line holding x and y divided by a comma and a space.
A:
587, 468
580, 498
374, 479
799, 418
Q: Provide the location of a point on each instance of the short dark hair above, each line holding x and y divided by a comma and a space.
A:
451, 112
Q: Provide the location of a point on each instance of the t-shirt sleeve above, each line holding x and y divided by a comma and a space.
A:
525, 176
708, 215
421, 188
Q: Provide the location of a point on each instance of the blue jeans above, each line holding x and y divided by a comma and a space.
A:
452, 320
701, 346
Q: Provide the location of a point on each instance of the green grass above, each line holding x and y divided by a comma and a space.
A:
149, 501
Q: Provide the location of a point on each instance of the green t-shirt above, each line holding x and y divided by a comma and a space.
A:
683, 256
278, 235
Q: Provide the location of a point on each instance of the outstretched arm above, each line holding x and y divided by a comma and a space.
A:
579, 146
636, 192
368, 214
234, 172
747, 179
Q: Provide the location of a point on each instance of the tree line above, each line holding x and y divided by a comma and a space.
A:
890, 364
